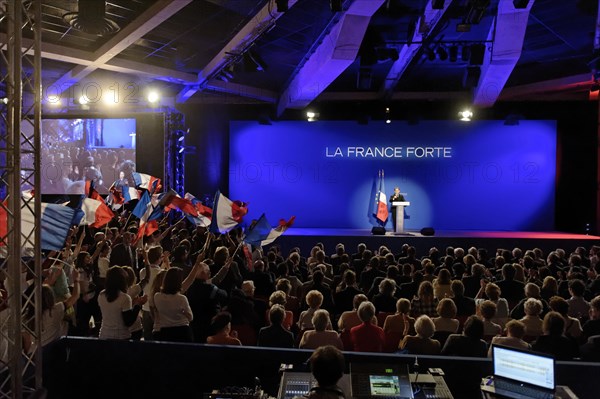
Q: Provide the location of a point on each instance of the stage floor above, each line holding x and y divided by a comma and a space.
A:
306, 238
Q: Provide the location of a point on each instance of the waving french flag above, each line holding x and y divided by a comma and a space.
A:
146, 182
263, 234
95, 213
226, 213
204, 216
55, 224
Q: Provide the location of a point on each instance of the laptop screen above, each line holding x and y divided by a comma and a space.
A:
526, 367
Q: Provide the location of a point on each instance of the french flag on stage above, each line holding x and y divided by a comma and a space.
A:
204, 216
146, 182
226, 213
381, 205
262, 234
55, 224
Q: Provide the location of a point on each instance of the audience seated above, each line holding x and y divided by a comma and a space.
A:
223, 335
322, 335
425, 302
276, 335
385, 301
532, 321
572, 325
395, 323
421, 343
446, 321
350, 318
554, 341
469, 343
592, 326
488, 311
314, 299
367, 337
515, 331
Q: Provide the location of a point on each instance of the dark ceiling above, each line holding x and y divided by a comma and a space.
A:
209, 50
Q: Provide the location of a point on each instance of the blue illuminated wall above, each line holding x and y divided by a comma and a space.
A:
481, 175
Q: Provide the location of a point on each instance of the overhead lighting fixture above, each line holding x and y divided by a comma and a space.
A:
282, 5
312, 116
153, 97
53, 99
91, 18
4, 100
520, 3
83, 100
437, 4
388, 119
336, 5
465, 115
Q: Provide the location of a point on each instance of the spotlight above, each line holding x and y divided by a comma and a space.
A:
282, 5
336, 5
52, 100
83, 100
182, 149
388, 120
466, 115
312, 116
520, 3
153, 97
437, 4
4, 100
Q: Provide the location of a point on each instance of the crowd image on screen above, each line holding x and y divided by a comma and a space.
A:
183, 283
76, 150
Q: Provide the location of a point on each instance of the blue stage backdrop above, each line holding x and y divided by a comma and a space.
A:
480, 175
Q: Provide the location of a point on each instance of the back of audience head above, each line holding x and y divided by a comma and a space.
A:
508, 271
554, 324
321, 320
424, 326
248, 288
283, 284
314, 299
115, 282
276, 314
533, 307
425, 292
277, 298
473, 327
488, 310
387, 287
327, 365
515, 328
403, 306
358, 299
172, 281
532, 290
366, 311
458, 288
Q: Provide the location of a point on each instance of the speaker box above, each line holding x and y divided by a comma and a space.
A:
427, 231
378, 231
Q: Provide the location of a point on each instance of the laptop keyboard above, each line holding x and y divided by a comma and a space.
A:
504, 387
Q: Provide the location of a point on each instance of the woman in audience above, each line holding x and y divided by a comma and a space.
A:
292, 303
515, 331
549, 288
554, 341
134, 291
53, 313
119, 312
572, 325
276, 335
314, 300
385, 301
367, 337
421, 343
446, 322
488, 312
279, 298
493, 292
441, 285
156, 285
469, 343
173, 309
395, 323
221, 326
322, 334
350, 318
425, 303
531, 291
532, 321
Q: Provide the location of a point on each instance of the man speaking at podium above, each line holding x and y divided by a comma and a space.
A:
394, 198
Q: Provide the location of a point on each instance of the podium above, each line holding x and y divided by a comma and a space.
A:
398, 212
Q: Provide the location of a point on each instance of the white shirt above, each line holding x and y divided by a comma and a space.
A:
53, 324
173, 310
134, 291
154, 269
113, 325
103, 265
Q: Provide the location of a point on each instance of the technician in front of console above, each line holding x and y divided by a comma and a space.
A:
327, 366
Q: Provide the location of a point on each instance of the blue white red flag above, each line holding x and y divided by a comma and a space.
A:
263, 234
146, 182
226, 213
95, 213
204, 216
381, 212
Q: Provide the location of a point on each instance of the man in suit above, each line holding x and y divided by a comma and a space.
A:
395, 197
124, 254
